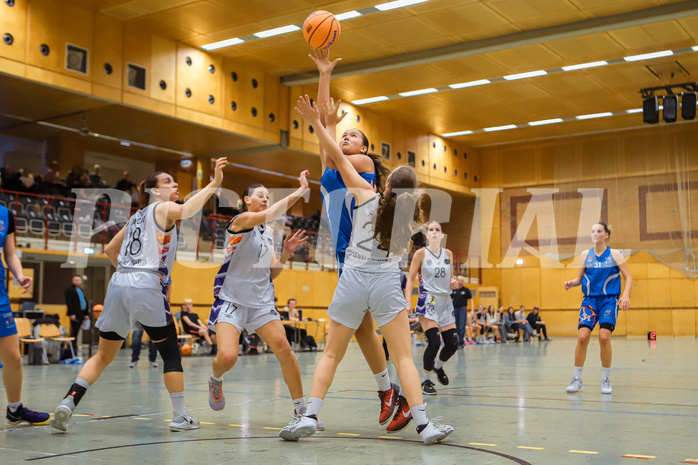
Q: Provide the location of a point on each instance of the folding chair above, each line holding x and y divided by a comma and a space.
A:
24, 331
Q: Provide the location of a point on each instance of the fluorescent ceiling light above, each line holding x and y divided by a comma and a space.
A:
222, 44
500, 128
277, 31
592, 64
397, 4
412, 93
545, 121
649, 56
457, 133
595, 115
369, 100
634, 110
513, 77
347, 15
470, 84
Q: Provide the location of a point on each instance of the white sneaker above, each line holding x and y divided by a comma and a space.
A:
576, 385
606, 386
320, 426
153, 364
184, 422
62, 414
433, 433
299, 427
132, 364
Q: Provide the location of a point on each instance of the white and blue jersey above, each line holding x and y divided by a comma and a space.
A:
7, 322
601, 287
339, 204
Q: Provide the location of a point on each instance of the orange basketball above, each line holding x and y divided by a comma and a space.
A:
321, 29
97, 310
186, 349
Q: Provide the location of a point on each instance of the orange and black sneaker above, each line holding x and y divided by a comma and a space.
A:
402, 416
388, 402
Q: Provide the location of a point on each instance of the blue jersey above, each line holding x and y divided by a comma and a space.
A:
339, 206
4, 228
602, 275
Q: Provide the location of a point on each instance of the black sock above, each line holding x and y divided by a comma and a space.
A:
77, 392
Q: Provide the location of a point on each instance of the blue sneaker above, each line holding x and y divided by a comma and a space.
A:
25, 417
76, 361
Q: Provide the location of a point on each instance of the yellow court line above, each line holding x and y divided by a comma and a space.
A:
347, 434
141, 418
233, 424
481, 444
640, 456
583, 452
206, 423
169, 419
82, 415
528, 447
269, 427
389, 437
691, 460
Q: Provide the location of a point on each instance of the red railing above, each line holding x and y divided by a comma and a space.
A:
308, 256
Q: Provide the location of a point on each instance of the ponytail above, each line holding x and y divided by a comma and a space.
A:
144, 188
392, 235
381, 171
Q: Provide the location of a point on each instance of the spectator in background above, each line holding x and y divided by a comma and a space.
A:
96, 177
136, 341
124, 183
521, 319
76, 302
73, 177
192, 324
537, 324
460, 297
53, 176
10, 179
477, 329
296, 314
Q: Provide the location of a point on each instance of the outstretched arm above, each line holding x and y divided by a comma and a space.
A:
355, 183
291, 244
325, 67
249, 220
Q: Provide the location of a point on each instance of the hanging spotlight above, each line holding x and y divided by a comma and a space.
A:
670, 110
650, 110
688, 105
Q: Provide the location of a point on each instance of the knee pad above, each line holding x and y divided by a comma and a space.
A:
167, 347
433, 345
450, 337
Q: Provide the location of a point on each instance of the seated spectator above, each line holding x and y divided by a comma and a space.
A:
495, 322
488, 329
537, 324
513, 325
477, 330
136, 340
53, 176
293, 332
96, 177
192, 324
523, 323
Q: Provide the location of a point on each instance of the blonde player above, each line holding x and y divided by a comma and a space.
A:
434, 306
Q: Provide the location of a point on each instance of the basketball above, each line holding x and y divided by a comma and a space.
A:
186, 349
321, 29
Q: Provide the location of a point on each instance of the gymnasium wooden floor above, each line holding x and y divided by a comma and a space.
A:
507, 402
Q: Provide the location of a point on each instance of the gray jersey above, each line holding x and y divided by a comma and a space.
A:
146, 246
364, 252
245, 277
435, 277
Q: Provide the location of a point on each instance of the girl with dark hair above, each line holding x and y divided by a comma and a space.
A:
339, 209
136, 295
244, 290
434, 306
599, 275
371, 282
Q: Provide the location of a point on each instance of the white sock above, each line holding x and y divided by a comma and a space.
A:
438, 364
578, 372
419, 414
177, 399
314, 406
606, 373
13, 406
427, 376
298, 404
82, 382
213, 377
382, 380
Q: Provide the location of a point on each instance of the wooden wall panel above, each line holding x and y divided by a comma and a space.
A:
107, 48
136, 53
13, 20
199, 80
163, 68
44, 27
272, 105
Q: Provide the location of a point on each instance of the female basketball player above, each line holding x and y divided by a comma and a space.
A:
371, 282
434, 306
339, 209
16, 413
599, 276
244, 291
136, 292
